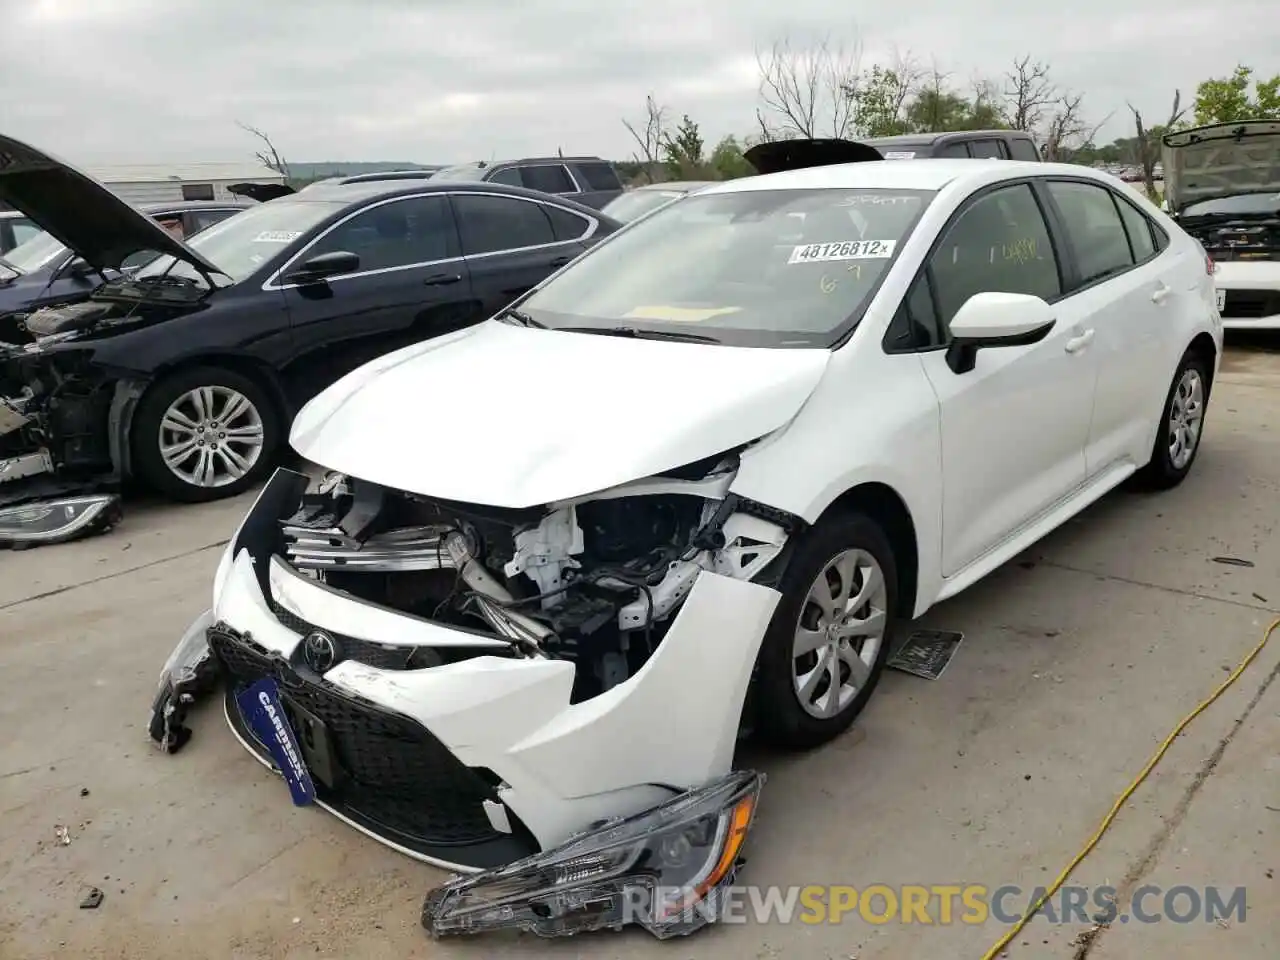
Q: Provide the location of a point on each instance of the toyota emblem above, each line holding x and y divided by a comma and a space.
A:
320, 651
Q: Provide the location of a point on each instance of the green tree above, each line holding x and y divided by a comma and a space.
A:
727, 162
1227, 99
685, 151
877, 101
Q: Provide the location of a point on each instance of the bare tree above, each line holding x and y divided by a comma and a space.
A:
1067, 129
806, 92
1029, 93
1147, 144
649, 135
268, 156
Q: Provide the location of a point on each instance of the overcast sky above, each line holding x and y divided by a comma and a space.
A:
447, 81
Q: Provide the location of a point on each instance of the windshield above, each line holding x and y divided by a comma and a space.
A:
39, 251
777, 268
1241, 204
630, 206
244, 241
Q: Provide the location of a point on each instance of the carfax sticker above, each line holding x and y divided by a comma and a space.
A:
842, 250
277, 236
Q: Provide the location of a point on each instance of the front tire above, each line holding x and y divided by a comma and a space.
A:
204, 434
1181, 425
827, 644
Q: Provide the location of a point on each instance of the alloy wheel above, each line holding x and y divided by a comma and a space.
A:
1186, 416
211, 436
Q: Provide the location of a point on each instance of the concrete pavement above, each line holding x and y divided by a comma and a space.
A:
1078, 659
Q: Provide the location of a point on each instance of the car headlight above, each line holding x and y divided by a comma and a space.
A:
663, 869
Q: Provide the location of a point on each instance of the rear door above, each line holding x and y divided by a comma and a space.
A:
1115, 279
411, 285
511, 244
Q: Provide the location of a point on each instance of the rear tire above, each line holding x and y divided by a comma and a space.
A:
813, 634
1181, 425
205, 433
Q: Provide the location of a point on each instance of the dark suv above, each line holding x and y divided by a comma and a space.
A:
988, 144
588, 180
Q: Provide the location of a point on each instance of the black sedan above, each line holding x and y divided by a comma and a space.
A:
187, 372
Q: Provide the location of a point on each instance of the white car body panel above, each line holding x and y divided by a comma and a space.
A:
1261, 276
985, 462
593, 424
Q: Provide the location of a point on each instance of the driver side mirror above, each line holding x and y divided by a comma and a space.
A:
324, 265
988, 320
79, 269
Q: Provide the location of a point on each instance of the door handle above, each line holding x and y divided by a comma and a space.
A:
560, 261
441, 279
1161, 294
1076, 344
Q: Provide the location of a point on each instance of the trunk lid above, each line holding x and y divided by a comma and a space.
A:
84, 215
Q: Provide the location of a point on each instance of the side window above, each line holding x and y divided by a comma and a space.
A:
565, 224
953, 150
1093, 227
987, 149
1162, 238
549, 178
1023, 149
197, 191
999, 244
492, 224
1139, 229
202, 219
396, 234
916, 326
597, 176
508, 175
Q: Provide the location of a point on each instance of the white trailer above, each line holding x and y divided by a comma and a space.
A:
163, 183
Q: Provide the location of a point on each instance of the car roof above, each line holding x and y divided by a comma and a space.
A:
916, 139
924, 174
676, 185
376, 190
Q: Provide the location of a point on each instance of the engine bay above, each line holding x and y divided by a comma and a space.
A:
597, 580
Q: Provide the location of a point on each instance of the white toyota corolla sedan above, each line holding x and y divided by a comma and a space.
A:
687, 488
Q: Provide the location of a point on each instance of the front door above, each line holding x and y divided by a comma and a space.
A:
411, 285
1014, 428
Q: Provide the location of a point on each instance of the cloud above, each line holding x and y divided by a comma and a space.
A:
144, 80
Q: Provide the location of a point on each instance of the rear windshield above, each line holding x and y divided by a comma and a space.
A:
631, 206
770, 268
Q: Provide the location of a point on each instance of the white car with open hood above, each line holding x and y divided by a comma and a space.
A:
683, 490
1222, 185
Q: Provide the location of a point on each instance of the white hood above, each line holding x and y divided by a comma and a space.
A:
516, 417
1221, 160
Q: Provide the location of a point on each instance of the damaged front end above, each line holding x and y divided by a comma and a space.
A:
475, 686
58, 462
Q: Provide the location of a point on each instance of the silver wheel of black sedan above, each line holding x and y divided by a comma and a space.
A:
211, 436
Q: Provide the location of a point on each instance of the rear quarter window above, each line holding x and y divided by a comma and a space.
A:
597, 176
1022, 149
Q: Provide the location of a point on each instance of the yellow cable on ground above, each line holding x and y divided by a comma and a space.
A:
1124, 797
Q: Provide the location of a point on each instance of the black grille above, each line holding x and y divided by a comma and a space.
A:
1251, 304
361, 651
393, 775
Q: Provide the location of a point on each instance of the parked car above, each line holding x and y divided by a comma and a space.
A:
1223, 187
645, 199
187, 372
15, 229
982, 144
588, 180
43, 271
689, 487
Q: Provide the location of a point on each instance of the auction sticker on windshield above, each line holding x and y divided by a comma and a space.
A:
842, 250
277, 236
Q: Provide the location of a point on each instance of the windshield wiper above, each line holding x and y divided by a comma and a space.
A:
637, 334
521, 318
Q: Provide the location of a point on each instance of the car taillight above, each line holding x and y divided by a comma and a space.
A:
1209, 265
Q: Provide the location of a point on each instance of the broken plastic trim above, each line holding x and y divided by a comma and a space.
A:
58, 520
664, 869
189, 672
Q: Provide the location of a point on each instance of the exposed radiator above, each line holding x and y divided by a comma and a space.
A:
409, 548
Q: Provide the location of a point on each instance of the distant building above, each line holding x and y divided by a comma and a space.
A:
164, 182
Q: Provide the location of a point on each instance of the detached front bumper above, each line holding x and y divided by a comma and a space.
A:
483, 761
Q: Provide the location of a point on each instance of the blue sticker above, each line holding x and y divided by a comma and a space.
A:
260, 705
